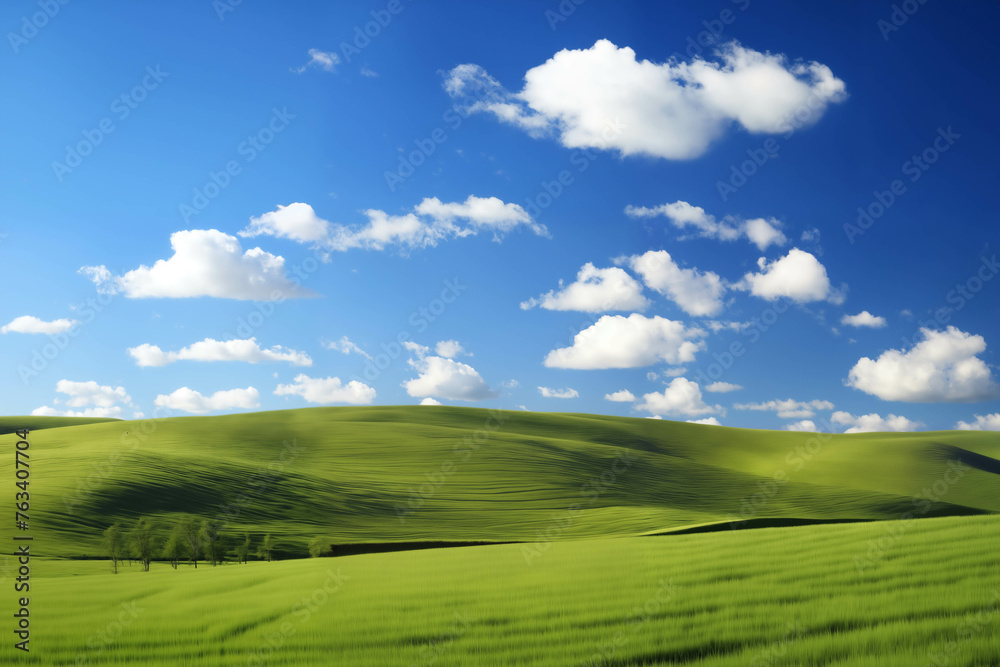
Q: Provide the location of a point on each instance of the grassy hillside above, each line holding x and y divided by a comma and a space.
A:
11, 424
379, 474
886, 594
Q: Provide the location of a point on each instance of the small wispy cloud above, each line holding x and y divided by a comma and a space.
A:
325, 60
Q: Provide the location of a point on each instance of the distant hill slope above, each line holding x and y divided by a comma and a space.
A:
414, 473
11, 424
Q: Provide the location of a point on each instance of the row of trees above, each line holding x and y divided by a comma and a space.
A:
187, 541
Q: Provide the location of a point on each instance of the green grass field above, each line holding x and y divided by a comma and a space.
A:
774, 596
590, 583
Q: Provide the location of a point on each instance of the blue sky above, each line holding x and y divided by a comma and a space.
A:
647, 200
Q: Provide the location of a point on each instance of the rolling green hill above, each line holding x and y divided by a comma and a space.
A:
11, 424
415, 473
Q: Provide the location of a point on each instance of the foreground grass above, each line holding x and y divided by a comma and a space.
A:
881, 594
381, 474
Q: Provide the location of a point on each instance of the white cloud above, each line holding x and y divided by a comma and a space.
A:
368, 71
416, 348
558, 393
695, 292
114, 412
96, 400
327, 390
205, 262
324, 60
943, 367
989, 422
429, 223
723, 387
872, 423
481, 214
682, 398
672, 372
682, 215
246, 350
726, 325
29, 324
788, 408
708, 421
798, 276
429, 401
384, 230
189, 400
297, 222
450, 349
595, 291
864, 319
805, 426
91, 393
447, 378
346, 346
623, 396
763, 233
602, 97
616, 341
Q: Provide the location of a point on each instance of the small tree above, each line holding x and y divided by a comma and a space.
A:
212, 542
143, 541
243, 549
175, 546
319, 546
114, 545
265, 548
188, 532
